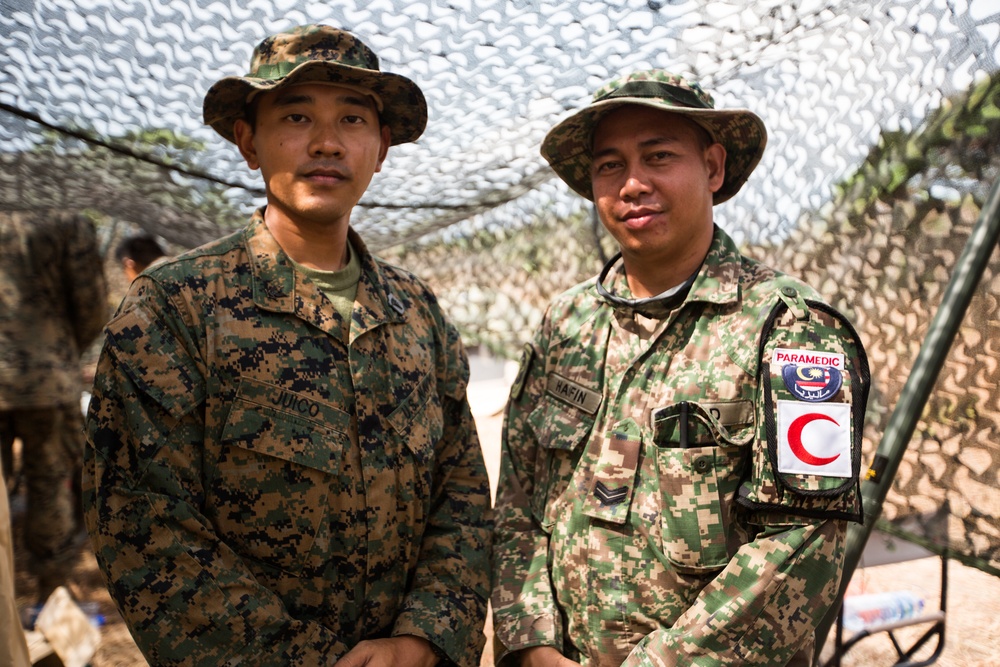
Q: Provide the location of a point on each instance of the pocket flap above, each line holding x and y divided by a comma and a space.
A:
728, 424
558, 426
274, 421
613, 484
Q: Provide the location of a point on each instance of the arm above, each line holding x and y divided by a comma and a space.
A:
525, 614
762, 607
86, 288
187, 598
446, 603
765, 604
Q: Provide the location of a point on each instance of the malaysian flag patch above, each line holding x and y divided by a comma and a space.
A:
808, 375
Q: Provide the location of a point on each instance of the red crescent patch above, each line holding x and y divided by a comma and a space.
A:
795, 439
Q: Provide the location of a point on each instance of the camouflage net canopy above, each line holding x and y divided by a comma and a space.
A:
884, 137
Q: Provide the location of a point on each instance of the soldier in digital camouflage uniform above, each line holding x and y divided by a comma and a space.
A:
681, 445
53, 303
283, 468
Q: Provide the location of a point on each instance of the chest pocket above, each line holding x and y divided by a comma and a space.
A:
560, 430
280, 460
699, 460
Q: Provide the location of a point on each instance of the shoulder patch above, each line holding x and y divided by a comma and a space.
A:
814, 439
808, 375
527, 357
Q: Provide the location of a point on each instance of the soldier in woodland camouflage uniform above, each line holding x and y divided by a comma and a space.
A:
680, 452
283, 468
53, 303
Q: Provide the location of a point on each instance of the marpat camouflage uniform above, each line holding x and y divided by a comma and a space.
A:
260, 492
53, 304
641, 517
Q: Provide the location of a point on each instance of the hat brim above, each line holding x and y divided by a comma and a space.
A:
567, 146
404, 108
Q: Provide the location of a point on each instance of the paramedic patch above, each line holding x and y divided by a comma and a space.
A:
808, 375
814, 438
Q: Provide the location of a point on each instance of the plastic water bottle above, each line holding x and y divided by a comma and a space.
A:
864, 611
93, 612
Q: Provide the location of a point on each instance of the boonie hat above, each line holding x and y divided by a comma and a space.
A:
567, 146
318, 54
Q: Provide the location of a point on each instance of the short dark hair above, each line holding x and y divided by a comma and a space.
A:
250, 112
143, 249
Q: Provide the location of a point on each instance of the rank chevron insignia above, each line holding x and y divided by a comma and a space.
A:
608, 496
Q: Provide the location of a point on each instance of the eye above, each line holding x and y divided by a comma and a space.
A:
354, 120
297, 118
605, 166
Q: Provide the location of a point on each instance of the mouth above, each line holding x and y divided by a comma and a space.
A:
638, 217
324, 175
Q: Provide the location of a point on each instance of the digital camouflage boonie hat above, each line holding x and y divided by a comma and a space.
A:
567, 146
318, 54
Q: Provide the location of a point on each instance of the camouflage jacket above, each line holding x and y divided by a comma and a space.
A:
648, 511
260, 492
53, 303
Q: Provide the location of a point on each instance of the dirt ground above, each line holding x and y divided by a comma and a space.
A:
973, 620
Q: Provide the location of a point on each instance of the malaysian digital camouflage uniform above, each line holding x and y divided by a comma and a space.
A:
269, 485
53, 303
641, 519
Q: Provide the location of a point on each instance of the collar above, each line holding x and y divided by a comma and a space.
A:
716, 281
278, 287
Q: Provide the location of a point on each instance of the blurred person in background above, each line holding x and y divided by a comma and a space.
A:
138, 252
13, 647
53, 304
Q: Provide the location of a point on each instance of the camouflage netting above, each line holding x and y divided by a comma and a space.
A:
865, 190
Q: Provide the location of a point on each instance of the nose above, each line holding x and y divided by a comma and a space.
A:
326, 141
636, 184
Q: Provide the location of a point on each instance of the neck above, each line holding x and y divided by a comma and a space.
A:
317, 246
647, 278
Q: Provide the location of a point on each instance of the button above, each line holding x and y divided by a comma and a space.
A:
789, 291
703, 464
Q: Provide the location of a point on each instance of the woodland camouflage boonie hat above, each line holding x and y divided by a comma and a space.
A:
567, 146
318, 54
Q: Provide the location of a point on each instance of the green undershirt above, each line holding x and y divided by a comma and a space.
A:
340, 287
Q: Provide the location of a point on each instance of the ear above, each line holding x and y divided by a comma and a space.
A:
130, 269
385, 138
244, 141
715, 163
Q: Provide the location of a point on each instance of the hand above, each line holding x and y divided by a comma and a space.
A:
545, 656
401, 651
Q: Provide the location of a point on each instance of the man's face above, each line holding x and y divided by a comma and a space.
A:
317, 147
653, 177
